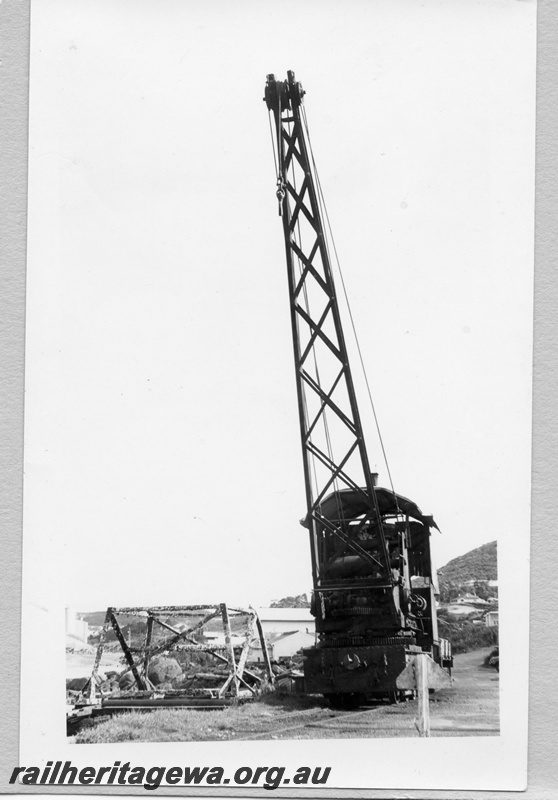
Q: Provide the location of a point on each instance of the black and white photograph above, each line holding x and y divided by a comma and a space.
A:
279, 332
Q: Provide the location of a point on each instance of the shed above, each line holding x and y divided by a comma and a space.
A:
281, 645
286, 620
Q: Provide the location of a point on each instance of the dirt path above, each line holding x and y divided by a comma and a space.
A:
469, 708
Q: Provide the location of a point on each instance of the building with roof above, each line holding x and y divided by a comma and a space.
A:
491, 619
286, 631
77, 629
471, 599
281, 645
286, 620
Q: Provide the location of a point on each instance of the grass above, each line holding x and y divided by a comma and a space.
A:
162, 725
189, 725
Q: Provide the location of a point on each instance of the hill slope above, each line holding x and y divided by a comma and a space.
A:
299, 601
480, 564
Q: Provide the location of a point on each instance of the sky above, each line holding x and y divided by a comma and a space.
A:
162, 458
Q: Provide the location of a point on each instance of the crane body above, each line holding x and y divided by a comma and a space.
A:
373, 582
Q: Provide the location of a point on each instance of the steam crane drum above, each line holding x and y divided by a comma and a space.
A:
350, 567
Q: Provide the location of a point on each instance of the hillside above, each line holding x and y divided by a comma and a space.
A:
480, 564
93, 617
299, 601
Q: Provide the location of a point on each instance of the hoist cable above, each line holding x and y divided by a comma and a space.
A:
326, 217
323, 209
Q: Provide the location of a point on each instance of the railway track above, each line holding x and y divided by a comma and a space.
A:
375, 722
314, 719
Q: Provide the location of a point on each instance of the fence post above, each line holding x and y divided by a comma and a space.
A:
423, 697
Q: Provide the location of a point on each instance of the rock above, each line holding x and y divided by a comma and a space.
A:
163, 670
126, 682
76, 684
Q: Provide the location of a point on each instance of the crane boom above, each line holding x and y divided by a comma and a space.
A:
366, 543
328, 409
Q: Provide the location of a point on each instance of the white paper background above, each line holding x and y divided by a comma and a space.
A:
154, 258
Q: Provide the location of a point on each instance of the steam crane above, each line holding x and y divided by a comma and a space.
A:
373, 581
